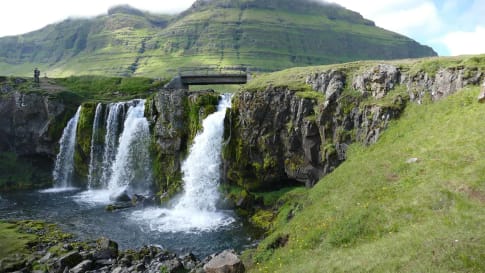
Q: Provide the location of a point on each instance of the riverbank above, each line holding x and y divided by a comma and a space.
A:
35, 246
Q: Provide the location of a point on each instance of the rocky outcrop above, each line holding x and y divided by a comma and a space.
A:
175, 117
26, 123
31, 124
278, 135
378, 81
445, 82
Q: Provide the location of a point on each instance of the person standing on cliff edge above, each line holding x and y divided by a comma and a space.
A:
36, 75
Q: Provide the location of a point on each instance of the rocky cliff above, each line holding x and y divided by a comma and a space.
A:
31, 124
175, 117
280, 135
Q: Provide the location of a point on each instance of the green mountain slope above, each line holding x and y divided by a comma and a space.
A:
378, 213
263, 34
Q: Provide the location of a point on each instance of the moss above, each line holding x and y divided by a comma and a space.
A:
349, 99
294, 162
262, 219
311, 94
56, 126
11, 240
166, 172
25, 237
83, 140
198, 109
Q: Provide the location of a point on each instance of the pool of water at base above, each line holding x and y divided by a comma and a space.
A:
89, 221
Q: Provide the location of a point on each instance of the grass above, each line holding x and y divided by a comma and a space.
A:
101, 88
11, 240
377, 213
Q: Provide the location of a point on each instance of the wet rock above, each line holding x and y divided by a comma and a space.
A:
173, 265
103, 262
13, 263
140, 267
45, 258
118, 206
70, 260
122, 196
82, 267
189, 261
106, 249
120, 269
226, 262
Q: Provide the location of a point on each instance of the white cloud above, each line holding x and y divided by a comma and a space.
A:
21, 16
402, 16
466, 42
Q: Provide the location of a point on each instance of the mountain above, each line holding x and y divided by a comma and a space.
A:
265, 35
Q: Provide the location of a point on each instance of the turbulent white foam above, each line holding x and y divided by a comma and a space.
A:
56, 190
182, 220
196, 209
93, 197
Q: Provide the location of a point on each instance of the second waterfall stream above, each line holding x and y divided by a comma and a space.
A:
196, 209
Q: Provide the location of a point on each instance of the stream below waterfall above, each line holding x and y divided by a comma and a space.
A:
91, 221
192, 222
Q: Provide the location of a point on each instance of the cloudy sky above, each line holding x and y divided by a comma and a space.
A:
451, 27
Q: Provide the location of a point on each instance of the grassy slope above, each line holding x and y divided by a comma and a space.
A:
266, 39
377, 213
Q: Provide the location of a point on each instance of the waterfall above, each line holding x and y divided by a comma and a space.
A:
201, 170
94, 162
111, 138
196, 209
132, 165
64, 164
124, 162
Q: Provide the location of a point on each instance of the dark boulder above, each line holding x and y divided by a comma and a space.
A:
105, 249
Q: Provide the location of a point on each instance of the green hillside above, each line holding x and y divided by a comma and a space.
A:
264, 35
380, 212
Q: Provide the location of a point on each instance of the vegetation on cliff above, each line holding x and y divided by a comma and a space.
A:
413, 201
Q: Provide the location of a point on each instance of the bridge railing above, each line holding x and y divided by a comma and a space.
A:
212, 71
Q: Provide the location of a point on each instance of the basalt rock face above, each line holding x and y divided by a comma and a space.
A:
175, 117
31, 125
277, 136
445, 82
25, 120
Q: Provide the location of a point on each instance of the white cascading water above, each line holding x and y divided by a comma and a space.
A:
132, 165
126, 159
111, 139
94, 163
196, 209
64, 164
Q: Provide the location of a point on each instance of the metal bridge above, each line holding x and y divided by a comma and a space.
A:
208, 75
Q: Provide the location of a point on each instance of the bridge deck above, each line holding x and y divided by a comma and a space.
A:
208, 76
214, 79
